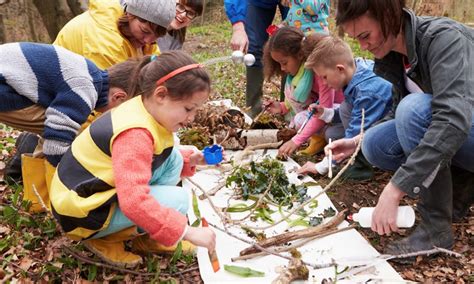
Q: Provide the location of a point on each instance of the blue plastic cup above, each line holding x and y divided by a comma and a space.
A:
213, 154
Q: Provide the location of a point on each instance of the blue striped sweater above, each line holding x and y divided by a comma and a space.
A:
67, 85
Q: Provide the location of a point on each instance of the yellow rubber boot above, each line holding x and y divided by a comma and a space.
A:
143, 244
111, 248
316, 145
34, 173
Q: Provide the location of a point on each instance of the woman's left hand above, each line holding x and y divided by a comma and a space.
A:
287, 149
384, 217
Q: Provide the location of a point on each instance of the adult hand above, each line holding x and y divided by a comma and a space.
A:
342, 148
287, 149
307, 168
239, 40
203, 237
384, 217
285, 3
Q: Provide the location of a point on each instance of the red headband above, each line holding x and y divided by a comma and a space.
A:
177, 71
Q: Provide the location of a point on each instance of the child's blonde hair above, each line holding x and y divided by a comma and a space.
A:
329, 52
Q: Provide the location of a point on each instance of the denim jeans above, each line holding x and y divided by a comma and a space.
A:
162, 187
257, 21
388, 144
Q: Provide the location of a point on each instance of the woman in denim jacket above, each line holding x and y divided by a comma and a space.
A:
428, 138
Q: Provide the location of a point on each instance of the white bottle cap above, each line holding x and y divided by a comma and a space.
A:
249, 59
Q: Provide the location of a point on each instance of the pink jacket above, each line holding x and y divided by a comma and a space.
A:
327, 98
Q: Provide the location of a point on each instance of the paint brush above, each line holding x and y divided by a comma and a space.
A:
310, 114
212, 255
330, 159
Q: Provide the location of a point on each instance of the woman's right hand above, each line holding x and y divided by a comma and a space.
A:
272, 106
202, 237
342, 148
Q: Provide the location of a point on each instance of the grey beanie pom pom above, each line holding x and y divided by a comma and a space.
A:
160, 12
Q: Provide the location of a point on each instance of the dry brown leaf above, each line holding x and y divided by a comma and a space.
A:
4, 230
25, 263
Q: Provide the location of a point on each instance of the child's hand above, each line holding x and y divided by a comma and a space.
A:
307, 168
197, 158
272, 106
203, 237
287, 149
318, 110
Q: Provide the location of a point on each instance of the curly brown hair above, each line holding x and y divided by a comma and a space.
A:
289, 41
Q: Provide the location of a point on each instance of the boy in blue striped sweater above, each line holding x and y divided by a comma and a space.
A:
51, 91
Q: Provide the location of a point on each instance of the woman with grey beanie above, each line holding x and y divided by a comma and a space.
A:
109, 33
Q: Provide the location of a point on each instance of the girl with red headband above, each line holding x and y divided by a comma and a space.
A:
120, 174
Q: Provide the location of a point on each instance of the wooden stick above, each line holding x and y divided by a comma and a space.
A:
213, 190
291, 236
295, 245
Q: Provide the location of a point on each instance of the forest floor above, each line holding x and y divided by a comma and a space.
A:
33, 249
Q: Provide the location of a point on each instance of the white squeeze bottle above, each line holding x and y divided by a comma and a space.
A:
405, 217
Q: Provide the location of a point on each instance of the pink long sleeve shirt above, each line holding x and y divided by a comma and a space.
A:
327, 98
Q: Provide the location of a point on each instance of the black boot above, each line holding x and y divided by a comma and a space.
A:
25, 143
435, 208
253, 93
463, 192
360, 170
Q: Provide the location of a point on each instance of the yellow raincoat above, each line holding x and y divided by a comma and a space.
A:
94, 34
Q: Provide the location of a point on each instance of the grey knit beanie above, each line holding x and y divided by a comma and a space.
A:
160, 12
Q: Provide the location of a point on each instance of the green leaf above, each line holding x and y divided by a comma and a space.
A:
299, 222
92, 273
177, 253
240, 207
196, 211
243, 271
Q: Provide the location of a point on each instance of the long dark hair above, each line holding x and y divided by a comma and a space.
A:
389, 13
289, 41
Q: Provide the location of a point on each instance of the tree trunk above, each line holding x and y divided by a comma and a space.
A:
2, 30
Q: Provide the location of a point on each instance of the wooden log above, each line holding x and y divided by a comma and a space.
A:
291, 236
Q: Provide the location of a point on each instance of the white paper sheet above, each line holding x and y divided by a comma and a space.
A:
347, 247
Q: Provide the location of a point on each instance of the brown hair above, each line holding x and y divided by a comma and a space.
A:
290, 41
123, 75
123, 24
181, 86
329, 52
389, 13
197, 7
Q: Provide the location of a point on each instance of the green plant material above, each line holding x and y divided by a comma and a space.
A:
298, 222
328, 212
240, 207
196, 211
92, 272
263, 213
314, 221
253, 179
251, 233
313, 204
243, 271
197, 136
177, 254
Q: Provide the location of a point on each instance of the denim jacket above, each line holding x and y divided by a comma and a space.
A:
369, 92
441, 54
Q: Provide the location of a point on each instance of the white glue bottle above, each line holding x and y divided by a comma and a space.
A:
405, 217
